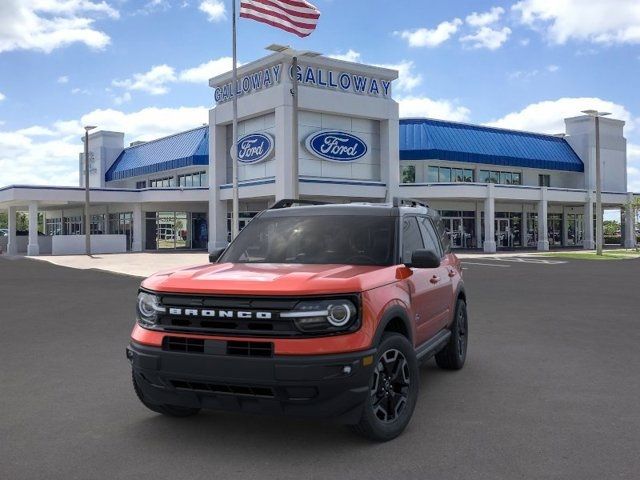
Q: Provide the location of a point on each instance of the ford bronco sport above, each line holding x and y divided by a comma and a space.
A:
313, 310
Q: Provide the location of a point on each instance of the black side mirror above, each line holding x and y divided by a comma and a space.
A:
215, 255
424, 259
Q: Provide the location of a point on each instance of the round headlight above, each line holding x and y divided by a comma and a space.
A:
148, 307
339, 315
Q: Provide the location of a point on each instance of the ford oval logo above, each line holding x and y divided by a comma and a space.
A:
336, 146
255, 147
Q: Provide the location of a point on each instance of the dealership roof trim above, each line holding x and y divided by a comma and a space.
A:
429, 139
183, 149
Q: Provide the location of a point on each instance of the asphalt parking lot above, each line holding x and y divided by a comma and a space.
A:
550, 389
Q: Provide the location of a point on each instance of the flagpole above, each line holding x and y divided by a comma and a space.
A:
294, 130
234, 140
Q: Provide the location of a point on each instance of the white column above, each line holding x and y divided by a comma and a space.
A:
284, 155
390, 149
12, 246
218, 152
589, 242
136, 244
478, 225
629, 221
489, 221
32, 247
543, 236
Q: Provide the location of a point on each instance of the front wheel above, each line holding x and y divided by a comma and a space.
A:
169, 410
454, 354
393, 390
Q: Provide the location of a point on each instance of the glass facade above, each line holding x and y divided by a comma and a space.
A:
460, 227
447, 174
197, 179
504, 178
176, 231
122, 224
243, 220
408, 174
162, 182
554, 229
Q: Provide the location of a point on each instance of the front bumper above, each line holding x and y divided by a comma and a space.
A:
321, 386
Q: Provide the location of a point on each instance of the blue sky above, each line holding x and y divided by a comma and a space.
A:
142, 66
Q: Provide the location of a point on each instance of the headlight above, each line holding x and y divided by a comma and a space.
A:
148, 308
324, 315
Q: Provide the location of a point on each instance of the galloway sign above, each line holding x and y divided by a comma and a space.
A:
262, 79
255, 147
336, 146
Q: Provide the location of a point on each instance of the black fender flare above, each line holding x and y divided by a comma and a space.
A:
394, 311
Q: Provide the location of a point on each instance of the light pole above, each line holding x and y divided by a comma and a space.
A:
596, 114
294, 54
87, 217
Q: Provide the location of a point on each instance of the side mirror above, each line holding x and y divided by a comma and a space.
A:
215, 255
424, 259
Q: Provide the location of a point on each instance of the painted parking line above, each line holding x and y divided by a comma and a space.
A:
540, 261
485, 264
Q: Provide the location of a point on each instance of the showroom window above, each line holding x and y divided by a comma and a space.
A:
408, 174
544, 180
500, 177
197, 179
142, 184
162, 182
447, 174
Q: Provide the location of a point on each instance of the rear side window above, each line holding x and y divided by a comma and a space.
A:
442, 234
411, 238
430, 237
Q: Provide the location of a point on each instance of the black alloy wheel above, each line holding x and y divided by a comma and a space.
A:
390, 388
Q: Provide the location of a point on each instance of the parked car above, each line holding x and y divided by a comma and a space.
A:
314, 310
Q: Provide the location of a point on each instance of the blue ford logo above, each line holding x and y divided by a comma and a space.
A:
336, 146
255, 147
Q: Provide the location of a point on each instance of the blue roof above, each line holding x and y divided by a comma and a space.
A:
180, 150
427, 139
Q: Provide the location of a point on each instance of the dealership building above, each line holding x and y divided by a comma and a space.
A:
495, 188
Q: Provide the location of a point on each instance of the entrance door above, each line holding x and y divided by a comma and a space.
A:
504, 236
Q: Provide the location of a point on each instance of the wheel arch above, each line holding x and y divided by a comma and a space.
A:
395, 319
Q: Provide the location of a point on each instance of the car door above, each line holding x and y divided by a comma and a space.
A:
441, 278
422, 287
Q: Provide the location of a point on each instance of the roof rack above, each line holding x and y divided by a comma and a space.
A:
290, 202
408, 202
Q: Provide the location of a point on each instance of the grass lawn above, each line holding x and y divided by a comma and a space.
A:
591, 255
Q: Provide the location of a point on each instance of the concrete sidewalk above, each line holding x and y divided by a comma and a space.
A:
144, 264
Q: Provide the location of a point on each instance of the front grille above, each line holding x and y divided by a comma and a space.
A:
222, 388
180, 344
250, 349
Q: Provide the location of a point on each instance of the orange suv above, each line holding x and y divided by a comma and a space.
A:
313, 310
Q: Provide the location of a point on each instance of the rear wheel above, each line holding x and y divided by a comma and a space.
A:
169, 410
393, 390
453, 356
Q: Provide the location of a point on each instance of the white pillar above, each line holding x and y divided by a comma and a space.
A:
284, 155
489, 221
630, 225
543, 236
32, 247
218, 153
589, 242
136, 244
12, 246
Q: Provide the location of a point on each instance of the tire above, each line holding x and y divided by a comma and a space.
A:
394, 387
169, 410
454, 354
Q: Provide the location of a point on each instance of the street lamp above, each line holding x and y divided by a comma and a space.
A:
87, 217
294, 54
596, 114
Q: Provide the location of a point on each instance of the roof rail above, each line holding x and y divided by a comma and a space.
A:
290, 202
408, 202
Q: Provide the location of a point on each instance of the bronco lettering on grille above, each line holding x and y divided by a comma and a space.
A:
241, 314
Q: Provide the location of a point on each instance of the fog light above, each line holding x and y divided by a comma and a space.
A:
346, 370
368, 360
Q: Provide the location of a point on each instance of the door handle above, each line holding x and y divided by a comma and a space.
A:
435, 279
452, 273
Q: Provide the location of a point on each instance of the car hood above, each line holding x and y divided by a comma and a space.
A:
270, 279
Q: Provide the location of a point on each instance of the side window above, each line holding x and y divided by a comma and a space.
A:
411, 238
430, 238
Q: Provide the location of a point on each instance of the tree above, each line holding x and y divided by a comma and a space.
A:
611, 228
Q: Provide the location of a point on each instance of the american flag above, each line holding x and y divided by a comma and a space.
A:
294, 16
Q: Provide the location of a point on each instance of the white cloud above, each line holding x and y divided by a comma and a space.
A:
203, 72
49, 154
526, 75
486, 18
552, 68
124, 98
423, 37
548, 116
597, 21
82, 91
349, 56
415, 106
45, 25
407, 78
214, 9
2, 96
488, 38
63, 79
154, 81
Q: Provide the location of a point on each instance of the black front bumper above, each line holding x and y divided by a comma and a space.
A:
321, 386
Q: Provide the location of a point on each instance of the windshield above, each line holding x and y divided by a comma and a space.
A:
341, 239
